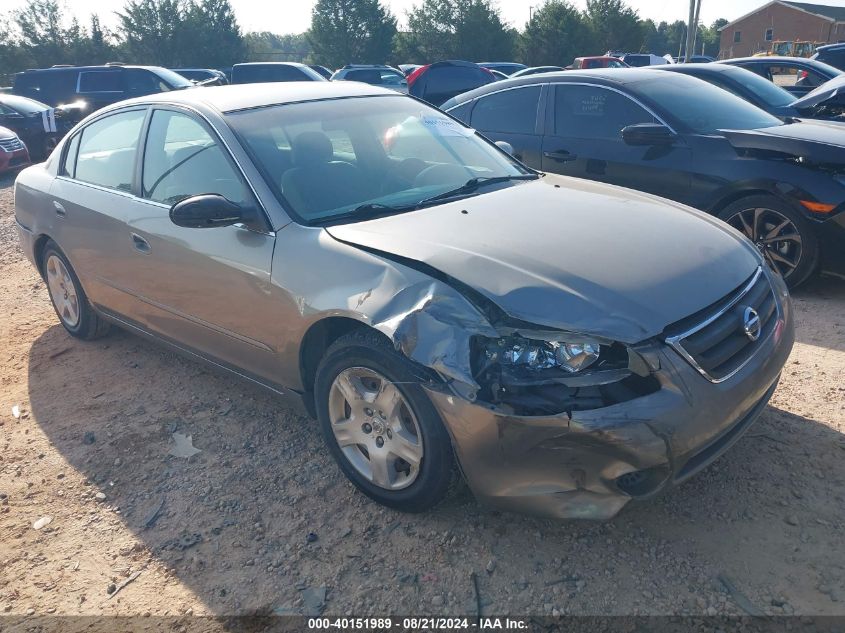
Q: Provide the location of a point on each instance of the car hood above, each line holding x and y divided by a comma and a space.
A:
572, 254
817, 141
6, 133
829, 93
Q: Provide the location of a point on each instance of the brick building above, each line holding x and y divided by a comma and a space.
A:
782, 20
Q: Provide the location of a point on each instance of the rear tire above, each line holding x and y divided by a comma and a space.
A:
379, 424
68, 298
783, 236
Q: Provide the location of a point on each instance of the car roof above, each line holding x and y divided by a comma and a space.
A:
60, 69
297, 64
767, 59
703, 68
603, 76
245, 96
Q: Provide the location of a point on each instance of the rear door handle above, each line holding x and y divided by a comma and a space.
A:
60, 210
141, 245
561, 156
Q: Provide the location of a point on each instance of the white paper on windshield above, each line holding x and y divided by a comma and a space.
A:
443, 126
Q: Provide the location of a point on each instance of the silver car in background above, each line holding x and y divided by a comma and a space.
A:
570, 345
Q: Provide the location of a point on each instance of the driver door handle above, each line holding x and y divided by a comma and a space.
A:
141, 245
59, 208
561, 156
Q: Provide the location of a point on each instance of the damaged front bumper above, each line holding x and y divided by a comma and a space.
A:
589, 464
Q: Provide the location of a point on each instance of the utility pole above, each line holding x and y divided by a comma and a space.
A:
691, 28
695, 24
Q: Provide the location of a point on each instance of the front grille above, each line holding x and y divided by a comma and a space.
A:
715, 341
11, 144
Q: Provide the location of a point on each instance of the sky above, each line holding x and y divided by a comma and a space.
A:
294, 16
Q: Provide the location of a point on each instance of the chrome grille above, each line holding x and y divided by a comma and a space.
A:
11, 144
715, 341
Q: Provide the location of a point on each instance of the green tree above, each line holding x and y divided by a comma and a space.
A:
457, 29
615, 25
555, 35
154, 32
44, 39
213, 35
265, 46
351, 31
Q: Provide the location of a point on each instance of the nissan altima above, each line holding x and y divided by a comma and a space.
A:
433, 303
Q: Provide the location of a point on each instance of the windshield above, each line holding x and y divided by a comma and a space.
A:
23, 105
385, 154
175, 80
702, 108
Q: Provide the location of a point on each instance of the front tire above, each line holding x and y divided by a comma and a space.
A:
68, 298
783, 236
379, 424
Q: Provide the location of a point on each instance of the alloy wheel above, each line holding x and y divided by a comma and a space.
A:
775, 236
375, 428
62, 291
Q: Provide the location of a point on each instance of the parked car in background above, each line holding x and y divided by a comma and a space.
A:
324, 72
95, 86
832, 55
13, 153
695, 59
825, 102
271, 72
373, 74
795, 74
201, 75
536, 70
508, 68
586, 63
681, 138
409, 68
571, 345
441, 81
38, 125
639, 60
745, 84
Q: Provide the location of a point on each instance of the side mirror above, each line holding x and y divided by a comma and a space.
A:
505, 147
648, 134
206, 211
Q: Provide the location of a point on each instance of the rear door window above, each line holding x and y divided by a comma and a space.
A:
513, 111
268, 73
107, 150
101, 81
594, 112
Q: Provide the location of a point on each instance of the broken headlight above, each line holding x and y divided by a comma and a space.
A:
518, 352
531, 376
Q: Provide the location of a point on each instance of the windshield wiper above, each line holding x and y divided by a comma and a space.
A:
369, 209
471, 185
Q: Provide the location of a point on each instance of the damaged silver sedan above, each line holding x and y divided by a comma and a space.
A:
569, 345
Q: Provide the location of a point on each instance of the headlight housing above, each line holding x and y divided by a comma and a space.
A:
571, 356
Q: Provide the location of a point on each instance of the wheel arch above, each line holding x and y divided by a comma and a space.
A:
318, 338
733, 196
38, 247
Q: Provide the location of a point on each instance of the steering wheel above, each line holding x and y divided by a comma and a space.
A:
402, 175
443, 174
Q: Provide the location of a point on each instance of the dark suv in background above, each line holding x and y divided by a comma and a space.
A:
96, 86
832, 54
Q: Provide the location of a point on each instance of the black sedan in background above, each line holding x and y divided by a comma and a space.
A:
675, 136
822, 103
38, 125
794, 74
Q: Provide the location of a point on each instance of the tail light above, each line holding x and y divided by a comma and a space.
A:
416, 74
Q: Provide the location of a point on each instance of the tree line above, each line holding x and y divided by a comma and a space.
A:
205, 33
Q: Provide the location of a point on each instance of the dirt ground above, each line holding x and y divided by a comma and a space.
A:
262, 520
